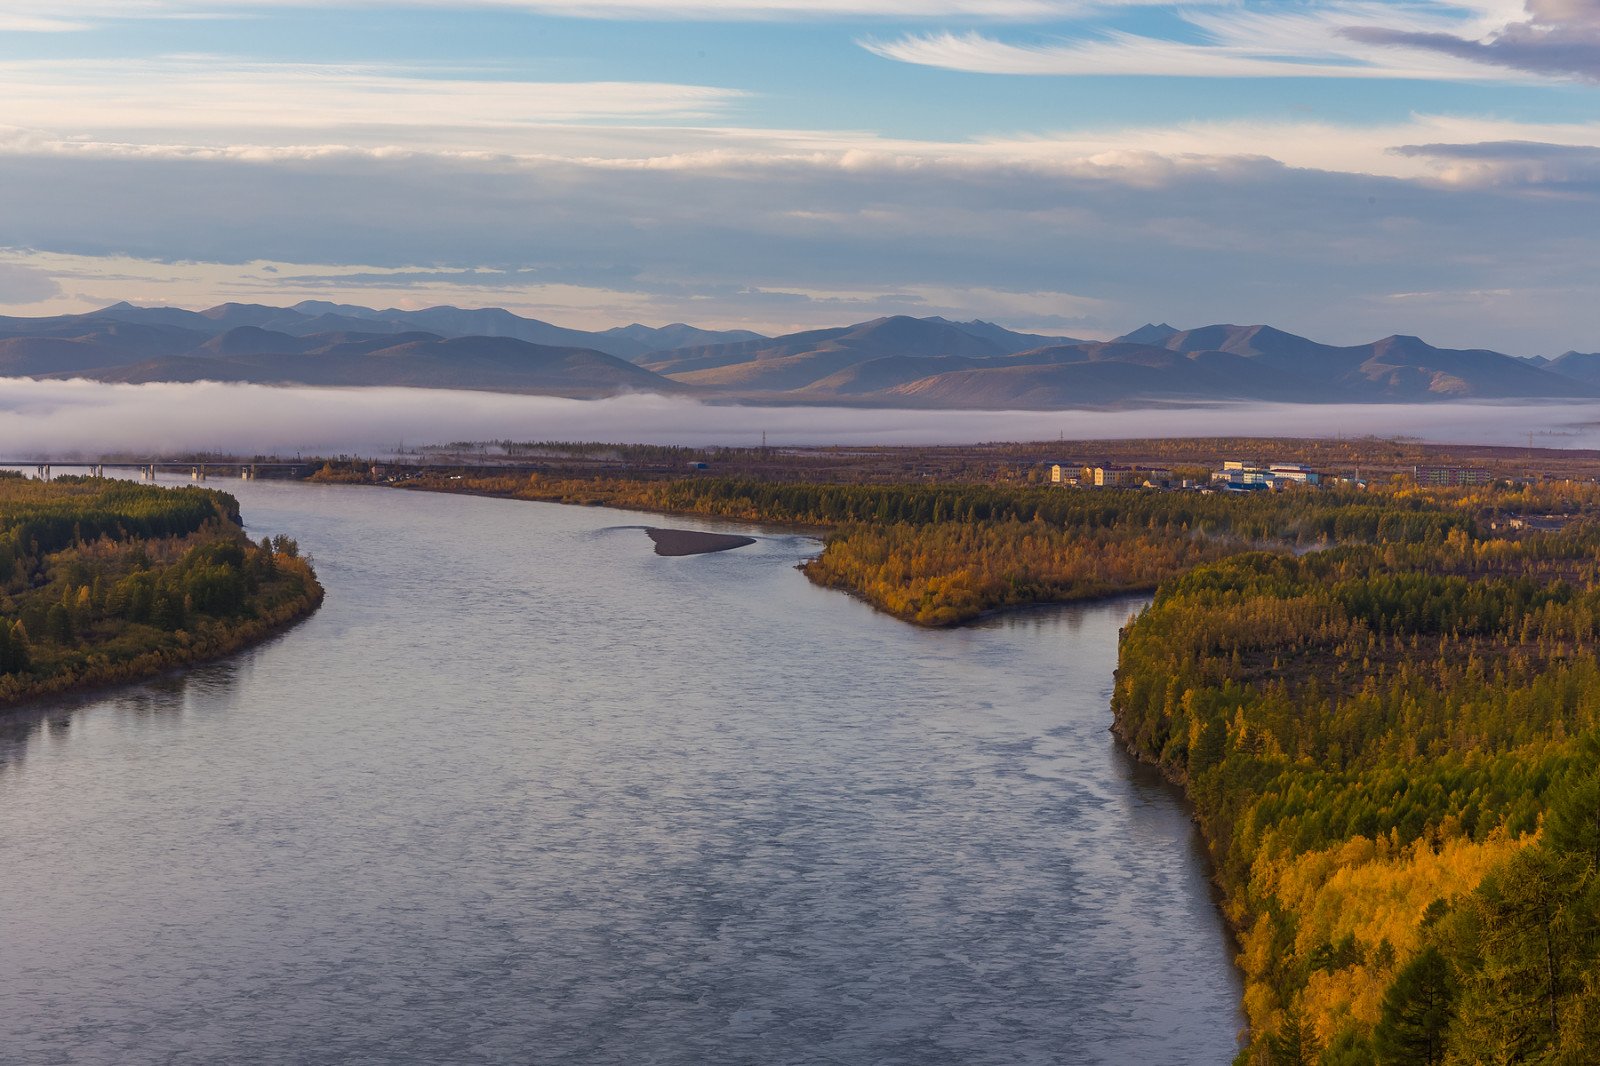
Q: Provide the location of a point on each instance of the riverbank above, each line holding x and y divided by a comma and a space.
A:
189, 650
106, 582
945, 554
505, 488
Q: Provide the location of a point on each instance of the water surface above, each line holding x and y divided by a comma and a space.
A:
525, 792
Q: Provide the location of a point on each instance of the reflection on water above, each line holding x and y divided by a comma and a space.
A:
524, 791
162, 701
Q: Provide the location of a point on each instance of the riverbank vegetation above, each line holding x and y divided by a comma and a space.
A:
1394, 755
944, 554
106, 581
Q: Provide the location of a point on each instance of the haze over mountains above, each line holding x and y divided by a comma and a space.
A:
895, 361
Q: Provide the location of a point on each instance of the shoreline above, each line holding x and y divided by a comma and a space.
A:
152, 665
801, 528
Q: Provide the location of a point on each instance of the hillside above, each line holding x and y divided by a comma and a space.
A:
892, 361
419, 360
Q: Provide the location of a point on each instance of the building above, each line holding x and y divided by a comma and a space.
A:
1452, 477
1284, 474
1123, 477
1238, 475
1109, 477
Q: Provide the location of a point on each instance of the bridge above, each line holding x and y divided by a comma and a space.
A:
197, 470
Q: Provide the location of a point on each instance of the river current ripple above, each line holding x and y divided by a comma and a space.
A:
525, 792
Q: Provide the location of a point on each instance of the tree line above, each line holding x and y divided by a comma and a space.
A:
105, 580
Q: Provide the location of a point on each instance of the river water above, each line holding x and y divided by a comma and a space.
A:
524, 792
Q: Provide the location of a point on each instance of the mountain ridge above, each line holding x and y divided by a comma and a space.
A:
896, 360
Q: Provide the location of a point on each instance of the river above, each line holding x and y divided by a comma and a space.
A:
525, 792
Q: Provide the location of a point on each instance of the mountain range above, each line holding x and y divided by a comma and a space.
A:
894, 361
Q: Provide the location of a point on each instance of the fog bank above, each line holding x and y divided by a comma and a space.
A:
80, 419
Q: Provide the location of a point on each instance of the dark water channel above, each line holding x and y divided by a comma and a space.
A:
526, 792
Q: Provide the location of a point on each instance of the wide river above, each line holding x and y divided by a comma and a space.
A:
524, 792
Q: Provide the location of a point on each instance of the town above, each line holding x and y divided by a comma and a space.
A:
1239, 475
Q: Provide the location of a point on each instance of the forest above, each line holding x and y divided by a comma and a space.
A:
106, 581
1393, 750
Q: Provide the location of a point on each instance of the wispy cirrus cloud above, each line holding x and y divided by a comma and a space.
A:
1435, 41
67, 15
255, 102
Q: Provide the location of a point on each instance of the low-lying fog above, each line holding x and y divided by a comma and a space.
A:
80, 419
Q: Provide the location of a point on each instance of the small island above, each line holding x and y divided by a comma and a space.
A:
105, 581
693, 542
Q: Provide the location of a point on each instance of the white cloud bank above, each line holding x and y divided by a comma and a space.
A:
62, 420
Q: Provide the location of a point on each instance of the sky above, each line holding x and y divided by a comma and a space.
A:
1343, 169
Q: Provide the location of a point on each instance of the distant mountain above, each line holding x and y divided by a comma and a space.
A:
949, 364
898, 360
677, 335
1149, 333
1394, 368
1007, 339
1579, 366
311, 317
422, 360
801, 360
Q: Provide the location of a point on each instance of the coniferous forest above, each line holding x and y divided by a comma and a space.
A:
1392, 751
104, 581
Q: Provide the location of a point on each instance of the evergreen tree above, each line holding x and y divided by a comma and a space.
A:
1294, 1044
58, 625
21, 650
1417, 1010
1573, 825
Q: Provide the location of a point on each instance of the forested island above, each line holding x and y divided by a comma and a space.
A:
1383, 704
105, 581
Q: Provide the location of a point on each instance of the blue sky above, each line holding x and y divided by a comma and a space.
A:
1343, 169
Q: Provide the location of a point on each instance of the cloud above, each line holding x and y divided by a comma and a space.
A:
1519, 164
597, 222
1557, 38
179, 100
363, 128
66, 15
784, 243
21, 285
19, 22
1471, 40
1338, 39
61, 420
